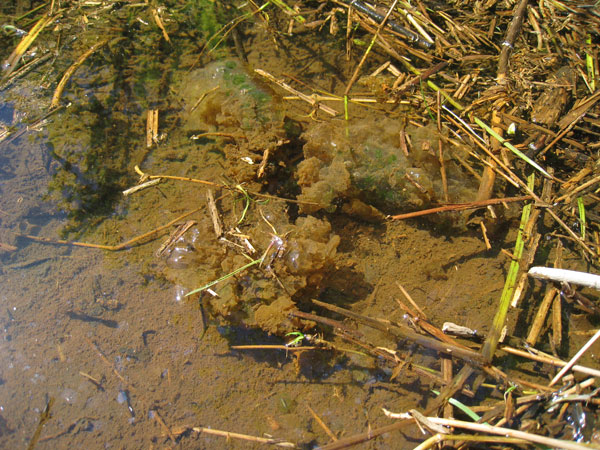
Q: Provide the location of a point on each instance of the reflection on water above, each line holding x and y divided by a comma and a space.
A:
93, 346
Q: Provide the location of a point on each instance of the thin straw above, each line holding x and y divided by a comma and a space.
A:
573, 360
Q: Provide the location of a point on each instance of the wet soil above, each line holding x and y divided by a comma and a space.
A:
70, 313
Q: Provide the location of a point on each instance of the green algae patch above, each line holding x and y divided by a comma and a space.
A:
363, 162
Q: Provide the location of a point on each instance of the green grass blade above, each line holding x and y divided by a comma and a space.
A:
581, 208
346, 116
460, 405
224, 277
589, 62
511, 147
489, 347
246, 206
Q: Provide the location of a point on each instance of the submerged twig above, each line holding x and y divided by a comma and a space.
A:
113, 248
229, 435
460, 207
368, 50
69, 72
45, 416
387, 327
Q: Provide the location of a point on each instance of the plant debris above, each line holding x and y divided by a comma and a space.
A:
316, 124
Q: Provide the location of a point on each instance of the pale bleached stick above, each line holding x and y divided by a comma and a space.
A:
489, 429
567, 276
245, 437
534, 355
574, 359
287, 87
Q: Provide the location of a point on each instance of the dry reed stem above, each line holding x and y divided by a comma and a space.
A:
575, 358
468, 355
460, 207
540, 317
275, 347
245, 437
69, 72
535, 355
368, 50
322, 424
306, 98
530, 437
24, 44
113, 248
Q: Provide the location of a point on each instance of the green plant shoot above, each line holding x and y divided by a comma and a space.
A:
589, 62
225, 277
297, 340
247, 205
460, 405
581, 208
511, 147
489, 347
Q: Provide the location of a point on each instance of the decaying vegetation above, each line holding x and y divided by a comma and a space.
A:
473, 114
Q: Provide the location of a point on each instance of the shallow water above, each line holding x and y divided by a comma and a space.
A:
71, 313
111, 337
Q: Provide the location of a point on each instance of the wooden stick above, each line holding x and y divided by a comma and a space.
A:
444, 347
578, 189
107, 362
92, 380
224, 186
287, 87
557, 329
108, 247
214, 213
441, 149
69, 72
422, 77
364, 57
511, 36
428, 327
164, 426
460, 207
275, 347
540, 318
535, 355
366, 436
7, 247
322, 424
412, 302
245, 437
489, 429
326, 321
437, 438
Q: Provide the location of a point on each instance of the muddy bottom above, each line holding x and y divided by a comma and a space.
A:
113, 342
109, 342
